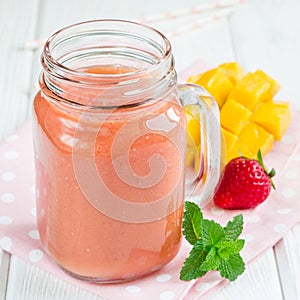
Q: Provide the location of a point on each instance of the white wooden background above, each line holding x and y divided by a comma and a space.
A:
260, 34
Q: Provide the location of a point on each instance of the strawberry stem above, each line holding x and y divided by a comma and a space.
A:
271, 173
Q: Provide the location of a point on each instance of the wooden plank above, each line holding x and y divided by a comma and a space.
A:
288, 262
259, 281
201, 45
17, 24
265, 35
186, 48
26, 281
4, 271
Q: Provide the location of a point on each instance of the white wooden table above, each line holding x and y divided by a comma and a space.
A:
259, 34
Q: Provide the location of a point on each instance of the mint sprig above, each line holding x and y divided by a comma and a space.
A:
214, 247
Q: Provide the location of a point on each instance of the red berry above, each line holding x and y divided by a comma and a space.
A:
245, 184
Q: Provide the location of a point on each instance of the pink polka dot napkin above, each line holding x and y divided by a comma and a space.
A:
264, 225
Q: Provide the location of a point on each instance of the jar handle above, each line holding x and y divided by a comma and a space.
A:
202, 173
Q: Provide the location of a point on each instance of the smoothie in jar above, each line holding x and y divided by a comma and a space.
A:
110, 181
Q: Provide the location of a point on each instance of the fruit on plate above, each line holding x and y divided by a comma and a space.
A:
245, 183
250, 118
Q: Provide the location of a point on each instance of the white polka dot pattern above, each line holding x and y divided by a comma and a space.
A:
33, 211
281, 228
163, 277
288, 192
8, 176
283, 211
35, 255
9, 155
5, 220
167, 295
202, 286
253, 219
217, 211
12, 138
34, 234
248, 237
133, 289
7, 198
291, 174
287, 139
5, 243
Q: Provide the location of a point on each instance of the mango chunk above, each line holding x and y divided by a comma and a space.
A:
217, 83
194, 78
233, 71
234, 116
193, 133
275, 87
229, 139
197, 160
193, 129
239, 149
274, 117
251, 89
189, 157
255, 138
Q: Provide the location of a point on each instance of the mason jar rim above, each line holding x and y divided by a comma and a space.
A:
55, 39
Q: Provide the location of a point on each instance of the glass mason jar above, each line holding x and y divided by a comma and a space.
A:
110, 150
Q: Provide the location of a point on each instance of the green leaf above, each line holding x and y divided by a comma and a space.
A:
211, 233
260, 159
214, 247
212, 261
191, 268
232, 267
234, 228
271, 174
227, 248
192, 219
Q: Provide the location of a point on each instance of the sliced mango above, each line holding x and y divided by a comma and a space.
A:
255, 137
229, 138
239, 149
250, 118
251, 90
274, 84
233, 71
193, 125
197, 160
216, 82
193, 133
234, 116
274, 117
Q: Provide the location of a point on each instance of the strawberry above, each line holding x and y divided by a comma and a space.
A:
245, 183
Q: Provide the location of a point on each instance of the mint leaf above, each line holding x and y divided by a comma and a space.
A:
214, 247
212, 261
192, 219
191, 268
211, 233
226, 248
234, 228
232, 267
